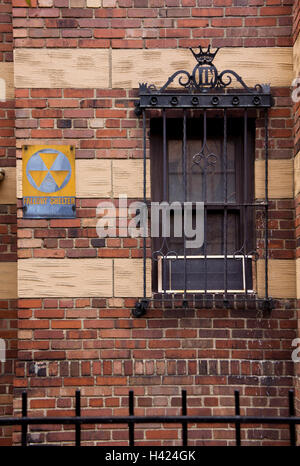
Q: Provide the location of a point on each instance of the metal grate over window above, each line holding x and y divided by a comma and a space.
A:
202, 150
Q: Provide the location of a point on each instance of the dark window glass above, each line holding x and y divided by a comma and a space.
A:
206, 185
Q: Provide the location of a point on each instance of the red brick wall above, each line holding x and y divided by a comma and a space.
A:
297, 365
296, 31
296, 20
154, 24
8, 311
63, 114
94, 343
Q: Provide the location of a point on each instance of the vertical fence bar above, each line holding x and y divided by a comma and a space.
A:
225, 202
292, 413
165, 178
266, 203
144, 195
237, 423
184, 423
205, 199
131, 423
185, 194
77, 414
245, 195
24, 414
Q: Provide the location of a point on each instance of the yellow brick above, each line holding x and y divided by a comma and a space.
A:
128, 277
30, 243
281, 278
93, 178
25, 334
7, 90
298, 277
96, 123
297, 174
8, 187
128, 178
64, 278
296, 57
280, 179
93, 3
77, 3
272, 65
8, 280
61, 68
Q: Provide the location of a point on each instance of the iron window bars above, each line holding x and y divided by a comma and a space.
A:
203, 90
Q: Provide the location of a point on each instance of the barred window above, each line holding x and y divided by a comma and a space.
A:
219, 172
202, 150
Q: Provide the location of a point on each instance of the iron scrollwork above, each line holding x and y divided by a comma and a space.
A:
204, 76
204, 87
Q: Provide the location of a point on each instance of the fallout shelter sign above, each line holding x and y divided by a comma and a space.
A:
49, 182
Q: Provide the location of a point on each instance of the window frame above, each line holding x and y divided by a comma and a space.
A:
173, 129
207, 88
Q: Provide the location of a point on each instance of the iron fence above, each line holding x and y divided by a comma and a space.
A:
131, 420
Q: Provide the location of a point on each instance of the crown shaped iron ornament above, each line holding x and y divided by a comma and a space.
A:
204, 57
204, 78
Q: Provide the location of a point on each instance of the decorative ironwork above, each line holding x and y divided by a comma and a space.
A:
206, 88
159, 254
204, 76
205, 162
204, 159
196, 88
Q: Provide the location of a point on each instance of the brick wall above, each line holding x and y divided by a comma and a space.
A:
296, 20
84, 336
296, 108
153, 23
94, 344
8, 256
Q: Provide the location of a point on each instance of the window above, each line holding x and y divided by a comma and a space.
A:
219, 172
202, 134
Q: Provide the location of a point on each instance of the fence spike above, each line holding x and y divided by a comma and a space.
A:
184, 423
77, 414
131, 423
237, 413
24, 414
292, 413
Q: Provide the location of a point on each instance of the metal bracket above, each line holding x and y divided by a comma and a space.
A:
267, 305
140, 308
137, 110
212, 100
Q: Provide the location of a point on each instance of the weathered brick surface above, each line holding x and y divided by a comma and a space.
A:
98, 346
296, 108
147, 24
95, 344
78, 238
8, 332
7, 115
296, 20
8, 227
92, 344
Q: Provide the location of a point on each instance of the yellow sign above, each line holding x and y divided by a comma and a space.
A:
48, 181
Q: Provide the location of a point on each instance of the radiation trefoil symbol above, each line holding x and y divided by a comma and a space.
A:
48, 170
